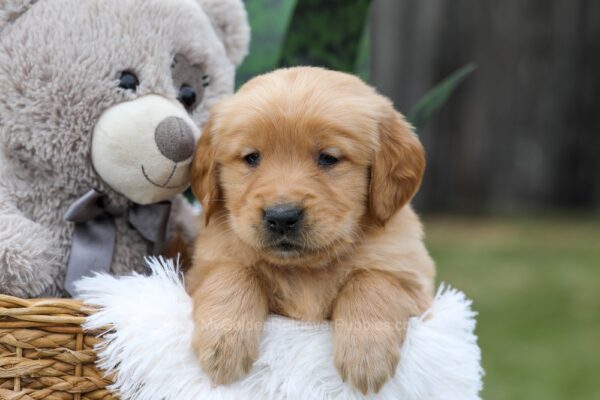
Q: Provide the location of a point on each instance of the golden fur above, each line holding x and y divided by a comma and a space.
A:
361, 262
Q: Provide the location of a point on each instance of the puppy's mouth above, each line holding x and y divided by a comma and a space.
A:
287, 248
167, 184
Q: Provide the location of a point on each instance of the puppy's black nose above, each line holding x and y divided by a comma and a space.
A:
283, 219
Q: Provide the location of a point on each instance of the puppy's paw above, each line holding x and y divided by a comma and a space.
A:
367, 360
225, 355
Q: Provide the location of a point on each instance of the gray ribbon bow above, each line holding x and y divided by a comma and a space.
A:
95, 233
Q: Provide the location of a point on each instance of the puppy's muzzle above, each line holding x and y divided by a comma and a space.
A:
283, 220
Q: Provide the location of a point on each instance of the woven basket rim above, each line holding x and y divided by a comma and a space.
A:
56, 313
45, 353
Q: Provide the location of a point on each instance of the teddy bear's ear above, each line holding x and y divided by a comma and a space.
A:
230, 20
10, 10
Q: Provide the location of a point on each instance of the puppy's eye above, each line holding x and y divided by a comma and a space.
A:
187, 96
128, 81
327, 160
252, 159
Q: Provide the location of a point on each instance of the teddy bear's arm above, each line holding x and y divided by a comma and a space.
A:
184, 219
29, 258
182, 230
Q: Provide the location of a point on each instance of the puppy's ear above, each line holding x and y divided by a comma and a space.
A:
397, 168
204, 174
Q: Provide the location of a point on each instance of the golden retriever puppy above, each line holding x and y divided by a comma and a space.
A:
305, 177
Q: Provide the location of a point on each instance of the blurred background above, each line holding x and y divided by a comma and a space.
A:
504, 96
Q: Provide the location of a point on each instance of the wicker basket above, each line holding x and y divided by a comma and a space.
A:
44, 354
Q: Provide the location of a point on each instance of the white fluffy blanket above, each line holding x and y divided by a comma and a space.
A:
150, 348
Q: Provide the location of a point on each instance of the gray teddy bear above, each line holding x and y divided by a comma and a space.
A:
101, 103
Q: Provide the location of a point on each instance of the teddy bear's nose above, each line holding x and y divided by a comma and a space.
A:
175, 139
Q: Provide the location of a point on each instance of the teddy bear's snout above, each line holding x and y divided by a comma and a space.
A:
175, 139
143, 148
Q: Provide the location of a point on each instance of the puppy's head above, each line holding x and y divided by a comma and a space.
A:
300, 161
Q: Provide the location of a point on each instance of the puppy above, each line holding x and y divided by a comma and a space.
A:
305, 177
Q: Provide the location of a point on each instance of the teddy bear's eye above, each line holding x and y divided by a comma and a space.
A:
187, 97
128, 81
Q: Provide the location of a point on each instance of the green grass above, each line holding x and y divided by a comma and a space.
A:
536, 286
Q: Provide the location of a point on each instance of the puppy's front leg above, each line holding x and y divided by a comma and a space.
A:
370, 317
230, 308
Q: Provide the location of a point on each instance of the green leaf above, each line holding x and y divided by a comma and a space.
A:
326, 34
437, 97
363, 58
270, 20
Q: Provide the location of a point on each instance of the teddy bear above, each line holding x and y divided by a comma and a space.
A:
101, 103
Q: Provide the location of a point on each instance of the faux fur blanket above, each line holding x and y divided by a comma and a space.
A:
150, 348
